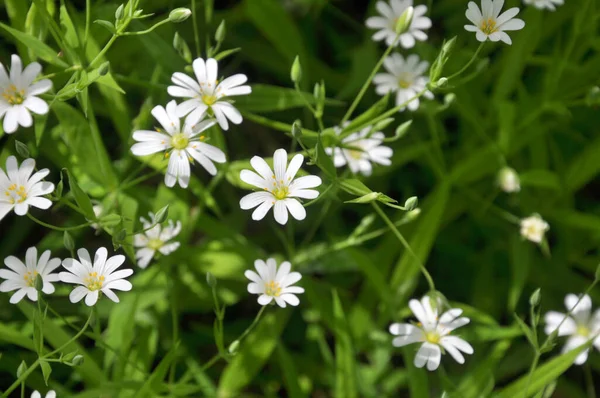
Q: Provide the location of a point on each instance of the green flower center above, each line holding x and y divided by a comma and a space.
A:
155, 244
583, 330
14, 96
432, 337
180, 141
209, 99
30, 278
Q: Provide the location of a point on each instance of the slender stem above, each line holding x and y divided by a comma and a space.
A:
88, 13
254, 323
589, 381
22, 378
365, 86
140, 179
405, 244
74, 338
464, 68
40, 349
195, 23
211, 362
103, 51
150, 29
175, 327
531, 369
312, 202
58, 228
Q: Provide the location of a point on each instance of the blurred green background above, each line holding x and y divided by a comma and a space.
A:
527, 103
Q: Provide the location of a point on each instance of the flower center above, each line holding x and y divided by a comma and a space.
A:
30, 278
405, 80
280, 192
94, 281
272, 289
16, 194
355, 154
209, 99
432, 337
13, 96
180, 141
532, 230
488, 26
155, 244
583, 330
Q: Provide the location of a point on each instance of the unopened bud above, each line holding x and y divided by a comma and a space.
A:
508, 180
22, 368
368, 198
413, 214
449, 99
297, 129
119, 13
534, 299
296, 72
411, 203
233, 347
68, 241
77, 360
220, 33
38, 283
404, 21
21, 149
442, 81
448, 46
211, 280
316, 90
182, 48
179, 14
161, 215
104, 68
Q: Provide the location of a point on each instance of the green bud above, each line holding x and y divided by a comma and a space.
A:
119, 13
382, 124
368, 198
59, 189
404, 21
179, 14
68, 241
161, 215
220, 33
296, 72
411, 203
21, 149
182, 48
77, 360
412, 215
107, 25
22, 368
448, 46
449, 99
110, 220
442, 81
68, 357
593, 96
211, 280
233, 347
316, 91
104, 68
297, 129
38, 283
534, 299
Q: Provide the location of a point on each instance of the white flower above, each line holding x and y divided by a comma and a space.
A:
405, 77
50, 394
580, 326
18, 96
280, 188
156, 238
533, 228
509, 181
489, 24
184, 145
98, 210
19, 189
433, 332
21, 277
541, 4
208, 93
360, 150
274, 284
386, 23
95, 277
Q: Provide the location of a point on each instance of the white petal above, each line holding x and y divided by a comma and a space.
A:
17, 296
39, 87
183, 80
11, 120
253, 276
291, 299
429, 354
309, 181
254, 199
280, 212
280, 163
264, 299
261, 166
295, 208
199, 69
233, 81
169, 125
261, 211
78, 293
36, 105
110, 295
91, 298
251, 178
203, 160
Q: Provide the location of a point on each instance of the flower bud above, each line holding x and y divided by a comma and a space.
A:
22, 368
508, 180
21, 149
296, 72
411, 203
68, 241
220, 33
179, 14
404, 21
233, 347
412, 215
211, 280
104, 68
534, 299
368, 198
161, 215
182, 48
38, 283
119, 12
442, 81
77, 360
297, 129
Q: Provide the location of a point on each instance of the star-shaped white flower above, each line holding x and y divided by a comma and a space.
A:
386, 23
433, 332
488, 23
544, 4
155, 239
580, 326
95, 277
50, 394
181, 145
271, 283
534, 228
508, 180
18, 94
21, 277
405, 78
208, 93
19, 189
280, 188
360, 150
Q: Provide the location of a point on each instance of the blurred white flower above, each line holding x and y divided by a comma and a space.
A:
50, 394
386, 23
280, 188
21, 277
360, 150
405, 78
95, 277
182, 146
18, 94
98, 209
208, 93
508, 180
541, 4
533, 228
433, 332
155, 239
580, 326
271, 283
488, 23
19, 189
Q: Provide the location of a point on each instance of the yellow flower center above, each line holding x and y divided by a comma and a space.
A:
488, 26
432, 337
583, 330
280, 192
14, 96
93, 281
355, 154
180, 141
30, 278
209, 99
16, 194
272, 289
155, 244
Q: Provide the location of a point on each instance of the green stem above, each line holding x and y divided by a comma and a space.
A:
211, 362
58, 228
175, 327
74, 338
150, 29
195, 23
589, 380
88, 13
22, 378
312, 202
405, 244
464, 68
531, 369
252, 325
103, 51
365, 86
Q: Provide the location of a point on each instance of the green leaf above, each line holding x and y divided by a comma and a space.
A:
107, 25
476, 380
290, 374
267, 98
355, 187
365, 118
70, 33
39, 48
542, 376
153, 382
400, 132
83, 201
324, 161
540, 179
345, 365
46, 370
